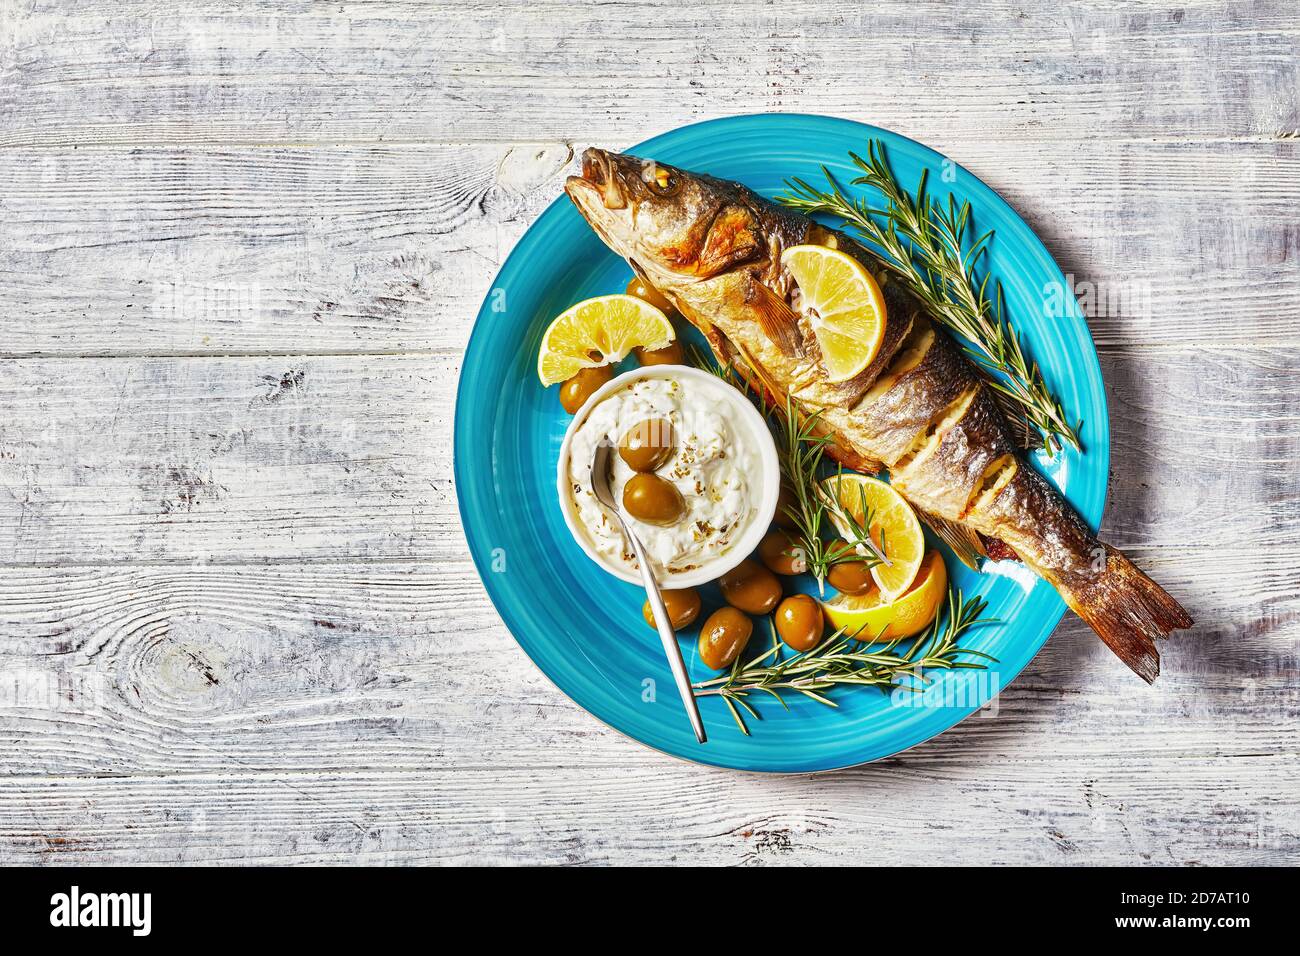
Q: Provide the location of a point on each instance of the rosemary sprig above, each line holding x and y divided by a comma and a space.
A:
852, 659
801, 447
924, 244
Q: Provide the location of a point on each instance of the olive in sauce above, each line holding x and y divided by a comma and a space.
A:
578, 389
653, 500
751, 587
849, 577
799, 622
683, 607
648, 444
670, 354
781, 554
723, 637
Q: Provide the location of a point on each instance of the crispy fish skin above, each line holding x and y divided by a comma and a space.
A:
920, 409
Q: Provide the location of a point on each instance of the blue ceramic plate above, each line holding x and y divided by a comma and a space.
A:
582, 627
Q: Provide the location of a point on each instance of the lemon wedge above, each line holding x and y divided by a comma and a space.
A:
894, 528
597, 332
871, 618
844, 305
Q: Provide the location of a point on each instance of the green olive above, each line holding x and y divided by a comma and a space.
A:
850, 576
683, 607
575, 391
799, 622
653, 500
648, 444
723, 637
787, 505
751, 587
781, 554
648, 293
670, 354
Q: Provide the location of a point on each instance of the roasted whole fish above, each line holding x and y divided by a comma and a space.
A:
920, 409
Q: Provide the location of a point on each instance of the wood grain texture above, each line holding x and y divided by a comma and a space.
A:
277, 458
131, 73
308, 695
359, 249
241, 250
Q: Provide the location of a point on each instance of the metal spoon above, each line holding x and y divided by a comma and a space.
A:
605, 495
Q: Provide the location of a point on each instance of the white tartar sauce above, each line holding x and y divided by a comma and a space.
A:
710, 467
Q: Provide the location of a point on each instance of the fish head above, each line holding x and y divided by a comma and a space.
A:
677, 227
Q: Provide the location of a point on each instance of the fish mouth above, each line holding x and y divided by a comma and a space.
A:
597, 181
596, 166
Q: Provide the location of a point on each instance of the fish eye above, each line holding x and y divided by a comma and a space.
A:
660, 180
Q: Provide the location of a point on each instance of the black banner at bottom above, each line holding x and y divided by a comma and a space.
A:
130, 905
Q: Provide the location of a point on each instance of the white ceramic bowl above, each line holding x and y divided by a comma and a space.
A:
742, 416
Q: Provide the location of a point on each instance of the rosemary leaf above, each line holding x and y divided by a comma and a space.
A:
736, 714
841, 659
740, 699
819, 698
925, 244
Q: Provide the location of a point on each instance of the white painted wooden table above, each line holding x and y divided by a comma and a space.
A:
241, 248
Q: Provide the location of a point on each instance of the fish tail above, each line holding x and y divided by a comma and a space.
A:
1127, 610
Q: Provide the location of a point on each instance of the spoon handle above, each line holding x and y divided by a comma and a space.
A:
664, 626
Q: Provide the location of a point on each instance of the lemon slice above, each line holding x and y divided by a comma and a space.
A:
597, 332
894, 528
844, 305
872, 619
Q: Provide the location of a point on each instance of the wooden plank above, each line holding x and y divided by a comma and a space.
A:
237, 622
1196, 434
353, 712
272, 458
204, 459
153, 669
1096, 811
204, 72
262, 251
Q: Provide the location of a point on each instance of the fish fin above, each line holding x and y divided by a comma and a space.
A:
718, 342
769, 390
1127, 610
964, 542
778, 321
1017, 422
